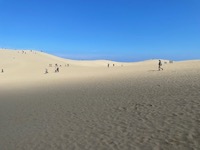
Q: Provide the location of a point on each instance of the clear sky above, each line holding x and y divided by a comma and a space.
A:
121, 30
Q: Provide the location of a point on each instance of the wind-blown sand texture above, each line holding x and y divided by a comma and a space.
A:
90, 106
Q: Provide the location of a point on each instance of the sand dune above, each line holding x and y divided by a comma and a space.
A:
26, 64
90, 106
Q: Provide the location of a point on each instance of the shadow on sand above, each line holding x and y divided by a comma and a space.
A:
152, 70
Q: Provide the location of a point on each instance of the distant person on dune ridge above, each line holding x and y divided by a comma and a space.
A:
159, 65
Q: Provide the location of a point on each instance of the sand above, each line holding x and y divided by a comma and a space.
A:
90, 106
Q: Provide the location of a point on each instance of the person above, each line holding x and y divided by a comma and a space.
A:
159, 65
2, 70
108, 65
46, 71
56, 68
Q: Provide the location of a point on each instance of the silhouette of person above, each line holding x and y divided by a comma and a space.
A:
46, 71
108, 65
159, 65
56, 67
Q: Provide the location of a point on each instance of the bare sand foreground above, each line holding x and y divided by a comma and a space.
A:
90, 106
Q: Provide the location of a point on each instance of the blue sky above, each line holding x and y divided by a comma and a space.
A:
121, 30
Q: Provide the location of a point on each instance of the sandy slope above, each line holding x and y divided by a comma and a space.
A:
90, 106
19, 66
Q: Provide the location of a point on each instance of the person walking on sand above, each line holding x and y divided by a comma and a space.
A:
159, 65
2, 71
56, 68
46, 71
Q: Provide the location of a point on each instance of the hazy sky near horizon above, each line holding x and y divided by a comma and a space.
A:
121, 30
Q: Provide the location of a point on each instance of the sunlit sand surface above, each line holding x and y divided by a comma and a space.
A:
87, 105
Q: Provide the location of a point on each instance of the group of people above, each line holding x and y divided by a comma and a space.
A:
112, 65
56, 68
24, 52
